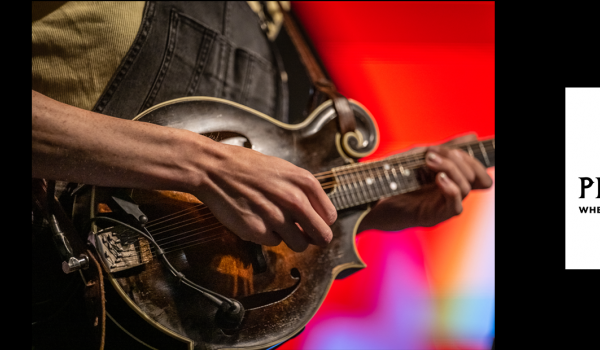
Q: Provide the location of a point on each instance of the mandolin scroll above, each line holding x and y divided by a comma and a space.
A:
362, 141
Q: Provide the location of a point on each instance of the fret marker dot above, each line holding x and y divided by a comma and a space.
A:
386, 167
369, 181
393, 186
405, 172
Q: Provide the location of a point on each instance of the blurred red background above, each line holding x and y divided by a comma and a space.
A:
425, 71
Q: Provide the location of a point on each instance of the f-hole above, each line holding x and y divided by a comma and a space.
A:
255, 301
229, 138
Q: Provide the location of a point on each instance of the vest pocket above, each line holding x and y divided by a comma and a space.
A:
199, 61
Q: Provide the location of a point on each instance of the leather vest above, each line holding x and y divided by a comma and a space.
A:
204, 48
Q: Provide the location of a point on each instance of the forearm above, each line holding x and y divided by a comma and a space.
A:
80, 146
260, 198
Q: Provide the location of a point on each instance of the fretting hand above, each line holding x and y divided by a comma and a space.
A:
457, 174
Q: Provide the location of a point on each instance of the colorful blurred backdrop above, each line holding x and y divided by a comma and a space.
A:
425, 70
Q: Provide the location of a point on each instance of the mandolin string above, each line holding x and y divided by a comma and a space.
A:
360, 168
172, 248
190, 210
186, 232
187, 244
176, 248
156, 221
347, 194
396, 160
412, 157
196, 242
360, 176
201, 240
418, 155
183, 222
356, 199
356, 168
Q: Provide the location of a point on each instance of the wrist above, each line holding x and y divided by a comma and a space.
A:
200, 158
389, 214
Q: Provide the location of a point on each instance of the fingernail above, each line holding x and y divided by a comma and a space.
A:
443, 177
432, 157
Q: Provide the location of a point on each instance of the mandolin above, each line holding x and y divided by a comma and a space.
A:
278, 289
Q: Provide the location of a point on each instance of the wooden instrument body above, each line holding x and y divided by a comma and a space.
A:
280, 301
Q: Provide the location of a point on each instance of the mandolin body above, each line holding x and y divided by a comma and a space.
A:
281, 296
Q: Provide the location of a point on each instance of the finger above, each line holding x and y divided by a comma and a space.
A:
460, 159
292, 236
259, 232
451, 192
440, 164
314, 226
482, 179
318, 199
271, 239
259, 216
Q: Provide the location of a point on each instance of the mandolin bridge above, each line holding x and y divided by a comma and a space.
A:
122, 249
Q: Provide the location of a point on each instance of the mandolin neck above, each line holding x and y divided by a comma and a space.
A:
361, 183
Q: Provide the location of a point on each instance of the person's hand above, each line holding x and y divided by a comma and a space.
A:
258, 197
457, 174
261, 198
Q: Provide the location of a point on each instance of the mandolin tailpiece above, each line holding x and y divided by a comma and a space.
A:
122, 249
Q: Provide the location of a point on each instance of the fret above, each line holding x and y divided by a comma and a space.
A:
372, 185
374, 182
470, 150
384, 186
391, 184
358, 186
411, 179
341, 197
357, 189
340, 190
344, 195
484, 153
415, 182
406, 174
353, 189
366, 182
487, 161
377, 182
416, 162
338, 201
491, 153
348, 190
401, 185
381, 184
334, 200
